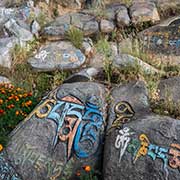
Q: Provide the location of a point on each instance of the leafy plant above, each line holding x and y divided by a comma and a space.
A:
15, 105
75, 36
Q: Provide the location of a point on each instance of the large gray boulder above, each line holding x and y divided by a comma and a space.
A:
142, 11
139, 144
56, 29
57, 55
62, 134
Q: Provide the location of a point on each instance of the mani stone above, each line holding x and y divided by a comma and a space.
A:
139, 144
6, 170
57, 55
144, 12
61, 135
169, 90
163, 40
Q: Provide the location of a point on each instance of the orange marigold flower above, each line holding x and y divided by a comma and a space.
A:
1, 147
1, 101
18, 89
3, 91
87, 168
20, 95
17, 113
25, 95
12, 105
1, 111
17, 99
10, 97
78, 173
30, 94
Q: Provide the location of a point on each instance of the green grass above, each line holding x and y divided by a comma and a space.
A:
75, 36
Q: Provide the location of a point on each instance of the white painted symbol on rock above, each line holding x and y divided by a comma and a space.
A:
42, 55
122, 141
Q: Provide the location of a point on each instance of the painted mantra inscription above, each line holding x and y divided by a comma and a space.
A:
6, 171
27, 154
142, 147
76, 123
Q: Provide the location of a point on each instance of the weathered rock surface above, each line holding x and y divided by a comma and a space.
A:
4, 79
163, 40
21, 33
62, 134
144, 12
6, 45
139, 145
169, 89
57, 55
71, 3
56, 30
124, 60
106, 26
135, 93
83, 76
122, 17
6, 13
6, 170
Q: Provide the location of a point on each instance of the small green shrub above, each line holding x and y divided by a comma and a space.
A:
104, 48
75, 36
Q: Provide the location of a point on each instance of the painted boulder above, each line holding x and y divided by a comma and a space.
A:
163, 40
58, 55
6, 170
63, 134
139, 144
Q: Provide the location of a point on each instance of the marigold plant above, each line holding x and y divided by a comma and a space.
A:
15, 105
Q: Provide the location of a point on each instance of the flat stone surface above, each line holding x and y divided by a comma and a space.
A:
124, 60
6, 170
169, 89
139, 144
4, 79
6, 45
62, 134
15, 29
56, 30
143, 12
57, 55
163, 40
106, 26
122, 17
